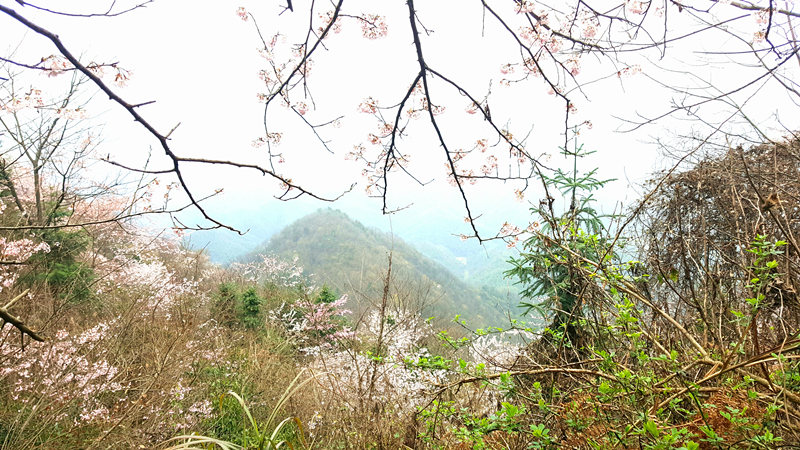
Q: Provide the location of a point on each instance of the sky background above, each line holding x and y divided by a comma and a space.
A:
199, 61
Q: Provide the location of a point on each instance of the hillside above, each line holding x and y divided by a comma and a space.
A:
123, 339
436, 237
350, 257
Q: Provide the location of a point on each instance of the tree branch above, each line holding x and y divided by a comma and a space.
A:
7, 317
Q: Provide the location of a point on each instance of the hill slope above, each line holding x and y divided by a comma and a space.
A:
350, 257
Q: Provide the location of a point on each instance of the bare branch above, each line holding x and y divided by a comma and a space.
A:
7, 317
107, 13
163, 139
423, 73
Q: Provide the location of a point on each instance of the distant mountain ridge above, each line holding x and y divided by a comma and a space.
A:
433, 230
350, 257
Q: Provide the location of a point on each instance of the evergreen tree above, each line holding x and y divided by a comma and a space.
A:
546, 266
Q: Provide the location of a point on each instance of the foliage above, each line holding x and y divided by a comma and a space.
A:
326, 295
684, 356
234, 306
252, 316
268, 437
545, 267
61, 268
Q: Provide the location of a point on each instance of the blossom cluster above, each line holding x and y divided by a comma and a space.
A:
66, 373
387, 375
209, 332
55, 65
185, 401
153, 271
184, 413
31, 99
14, 253
373, 26
314, 326
272, 270
388, 381
151, 280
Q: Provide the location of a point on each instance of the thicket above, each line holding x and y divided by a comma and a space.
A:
674, 325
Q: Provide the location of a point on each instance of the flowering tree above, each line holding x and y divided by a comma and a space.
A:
52, 209
14, 254
566, 50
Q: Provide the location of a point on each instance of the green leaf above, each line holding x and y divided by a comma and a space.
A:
651, 428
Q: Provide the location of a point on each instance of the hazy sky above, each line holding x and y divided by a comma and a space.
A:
198, 60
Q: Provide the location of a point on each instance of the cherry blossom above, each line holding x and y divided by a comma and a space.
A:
635, 6
373, 26
15, 253
368, 106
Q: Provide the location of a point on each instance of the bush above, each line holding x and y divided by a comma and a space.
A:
251, 315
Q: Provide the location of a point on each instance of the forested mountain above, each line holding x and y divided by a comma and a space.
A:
350, 257
436, 237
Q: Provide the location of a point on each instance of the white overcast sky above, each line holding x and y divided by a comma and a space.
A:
198, 60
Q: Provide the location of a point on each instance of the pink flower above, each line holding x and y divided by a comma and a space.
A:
302, 108
368, 106
242, 13
373, 26
635, 6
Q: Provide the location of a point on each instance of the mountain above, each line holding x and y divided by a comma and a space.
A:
350, 257
258, 223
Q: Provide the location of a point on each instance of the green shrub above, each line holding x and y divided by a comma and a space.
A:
251, 316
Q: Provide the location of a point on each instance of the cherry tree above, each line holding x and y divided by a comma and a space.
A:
53, 206
551, 58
